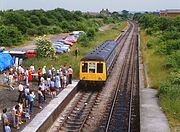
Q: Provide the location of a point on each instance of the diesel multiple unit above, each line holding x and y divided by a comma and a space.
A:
97, 65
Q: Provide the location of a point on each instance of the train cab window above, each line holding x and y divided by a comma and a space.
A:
92, 67
84, 67
99, 67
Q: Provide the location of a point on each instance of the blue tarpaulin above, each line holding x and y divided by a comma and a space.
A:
5, 61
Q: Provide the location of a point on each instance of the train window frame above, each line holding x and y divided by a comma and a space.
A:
86, 68
92, 68
102, 68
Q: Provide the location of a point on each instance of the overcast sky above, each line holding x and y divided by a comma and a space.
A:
91, 5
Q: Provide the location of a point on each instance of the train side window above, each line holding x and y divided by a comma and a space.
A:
84, 67
92, 67
99, 67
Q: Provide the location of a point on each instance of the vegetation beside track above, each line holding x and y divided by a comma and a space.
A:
17, 26
70, 58
160, 45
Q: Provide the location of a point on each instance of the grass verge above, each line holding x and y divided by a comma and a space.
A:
70, 58
158, 74
154, 63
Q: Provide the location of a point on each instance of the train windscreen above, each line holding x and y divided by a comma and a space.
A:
92, 67
84, 67
99, 67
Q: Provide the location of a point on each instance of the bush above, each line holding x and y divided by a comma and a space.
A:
90, 33
83, 40
44, 47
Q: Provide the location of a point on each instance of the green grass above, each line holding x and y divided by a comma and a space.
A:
171, 108
158, 75
70, 58
154, 63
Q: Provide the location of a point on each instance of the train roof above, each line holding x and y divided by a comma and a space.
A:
102, 52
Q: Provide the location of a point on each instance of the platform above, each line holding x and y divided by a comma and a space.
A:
152, 119
43, 120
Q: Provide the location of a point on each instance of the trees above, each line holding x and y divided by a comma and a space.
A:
40, 22
35, 20
9, 35
18, 20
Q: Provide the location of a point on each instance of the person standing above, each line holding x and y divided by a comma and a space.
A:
52, 88
52, 70
10, 81
39, 76
76, 51
26, 91
20, 90
31, 97
4, 118
61, 77
42, 86
14, 116
4, 78
44, 72
26, 77
57, 84
64, 81
50, 74
40, 97
7, 128
70, 72
64, 70
17, 116
32, 69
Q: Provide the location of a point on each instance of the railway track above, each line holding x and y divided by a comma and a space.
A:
123, 114
75, 118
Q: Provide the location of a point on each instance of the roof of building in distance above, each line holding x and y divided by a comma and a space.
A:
170, 11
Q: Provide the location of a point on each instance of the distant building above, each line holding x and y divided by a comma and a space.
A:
92, 13
170, 12
105, 12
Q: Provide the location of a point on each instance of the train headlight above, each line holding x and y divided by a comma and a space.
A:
99, 78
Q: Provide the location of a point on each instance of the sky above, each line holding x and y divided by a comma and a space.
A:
91, 5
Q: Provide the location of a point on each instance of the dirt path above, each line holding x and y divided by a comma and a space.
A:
104, 28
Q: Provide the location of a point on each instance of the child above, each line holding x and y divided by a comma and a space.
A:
20, 112
17, 116
27, 116
7, 127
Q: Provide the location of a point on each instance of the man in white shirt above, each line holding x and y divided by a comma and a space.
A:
70, 73
44, 71
10, 81
32, 68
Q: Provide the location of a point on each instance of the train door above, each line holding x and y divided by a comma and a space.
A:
83, 70
101, 74
92, 71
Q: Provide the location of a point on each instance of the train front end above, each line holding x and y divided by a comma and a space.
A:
93, 71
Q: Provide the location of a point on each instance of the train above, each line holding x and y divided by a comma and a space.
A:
97, 65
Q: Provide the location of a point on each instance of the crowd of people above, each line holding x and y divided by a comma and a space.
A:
49, 82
